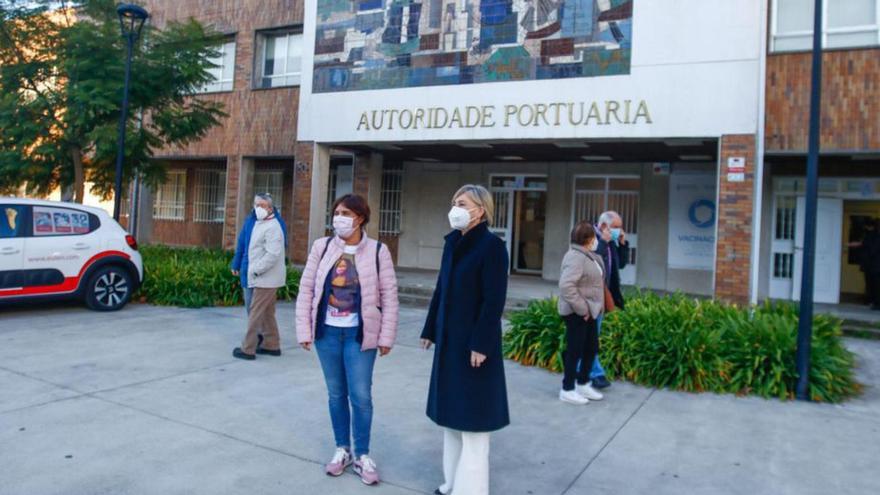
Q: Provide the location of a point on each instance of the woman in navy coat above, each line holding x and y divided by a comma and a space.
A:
468, 394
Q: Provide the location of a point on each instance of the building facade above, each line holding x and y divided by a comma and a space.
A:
686, 116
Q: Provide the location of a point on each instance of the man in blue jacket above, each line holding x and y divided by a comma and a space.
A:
614, 250
240, 260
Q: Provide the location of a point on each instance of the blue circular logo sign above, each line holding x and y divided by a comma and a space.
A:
701, 213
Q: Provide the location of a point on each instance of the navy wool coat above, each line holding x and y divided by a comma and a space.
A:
465, 316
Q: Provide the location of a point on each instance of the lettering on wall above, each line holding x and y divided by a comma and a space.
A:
555, 114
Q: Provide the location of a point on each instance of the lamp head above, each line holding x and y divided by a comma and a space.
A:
131, 18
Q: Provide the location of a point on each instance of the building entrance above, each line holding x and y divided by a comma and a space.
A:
520, 219
856, 214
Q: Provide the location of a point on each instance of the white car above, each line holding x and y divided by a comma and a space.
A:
51, 249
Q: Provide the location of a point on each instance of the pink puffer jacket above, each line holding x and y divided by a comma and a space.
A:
378, 290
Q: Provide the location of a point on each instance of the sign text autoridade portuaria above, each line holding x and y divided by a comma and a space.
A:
608, 112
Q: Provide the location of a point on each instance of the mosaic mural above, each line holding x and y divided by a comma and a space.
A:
380, 44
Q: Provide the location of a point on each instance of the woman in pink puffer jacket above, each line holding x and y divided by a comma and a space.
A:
348, 308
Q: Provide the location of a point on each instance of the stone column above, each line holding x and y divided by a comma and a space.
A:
734, 227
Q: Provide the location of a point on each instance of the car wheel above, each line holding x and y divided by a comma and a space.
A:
109, 289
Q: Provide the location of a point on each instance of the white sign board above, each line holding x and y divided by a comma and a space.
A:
692, 214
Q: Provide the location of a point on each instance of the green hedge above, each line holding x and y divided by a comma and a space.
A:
696, 345
196, 277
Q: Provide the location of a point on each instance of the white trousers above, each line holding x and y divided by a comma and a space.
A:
465, 463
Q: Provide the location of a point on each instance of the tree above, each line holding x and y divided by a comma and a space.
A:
61, 80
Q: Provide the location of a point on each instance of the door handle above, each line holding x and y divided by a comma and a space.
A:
9, 251
79, 246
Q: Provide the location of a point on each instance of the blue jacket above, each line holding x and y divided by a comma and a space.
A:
465, 316
240, 260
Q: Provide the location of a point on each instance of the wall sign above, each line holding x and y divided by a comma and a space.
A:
550, 114
736, 169
691, 221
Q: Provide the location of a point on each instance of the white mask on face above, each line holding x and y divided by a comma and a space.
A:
459, 218
343, 226
594, 245
261, 212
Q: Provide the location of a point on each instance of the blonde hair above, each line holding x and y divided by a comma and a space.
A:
481, 197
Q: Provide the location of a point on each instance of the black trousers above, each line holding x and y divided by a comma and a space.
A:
872, 288
582, 345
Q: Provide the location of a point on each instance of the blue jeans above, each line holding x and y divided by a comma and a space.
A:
248, 297
348, 372
597, 370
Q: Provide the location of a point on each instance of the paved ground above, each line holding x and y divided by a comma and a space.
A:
149, 401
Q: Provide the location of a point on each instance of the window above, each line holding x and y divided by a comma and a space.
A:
280, 59
210, 190
846, 23
170, 200
11, 221
389, 204
60, 221
224, 71
272, 182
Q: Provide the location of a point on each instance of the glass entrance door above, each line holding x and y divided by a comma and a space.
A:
520, 217
528, 254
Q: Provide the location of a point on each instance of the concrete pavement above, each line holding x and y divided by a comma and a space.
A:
149, 400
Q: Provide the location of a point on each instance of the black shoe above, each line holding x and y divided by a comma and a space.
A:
600, 382
276, 352
238, 353
438, 492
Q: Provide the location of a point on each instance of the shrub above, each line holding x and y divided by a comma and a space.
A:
196, 277
696, 345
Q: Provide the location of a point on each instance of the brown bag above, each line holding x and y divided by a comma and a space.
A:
609, 300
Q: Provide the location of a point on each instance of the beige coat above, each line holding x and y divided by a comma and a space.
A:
266, 256
582, 283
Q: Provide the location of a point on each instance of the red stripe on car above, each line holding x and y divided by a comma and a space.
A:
70, 283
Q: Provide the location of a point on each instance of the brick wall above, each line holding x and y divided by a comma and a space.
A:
850, 100
261, 122
298, 222
734, 216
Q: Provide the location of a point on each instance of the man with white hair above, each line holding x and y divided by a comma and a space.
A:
266, 272
614, 250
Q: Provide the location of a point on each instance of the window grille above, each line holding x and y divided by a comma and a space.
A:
595, 195
390, 202
170, 200
272, 182
210, 189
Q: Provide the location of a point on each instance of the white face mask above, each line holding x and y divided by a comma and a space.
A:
459, 218
343, 226
594, 245
261, 212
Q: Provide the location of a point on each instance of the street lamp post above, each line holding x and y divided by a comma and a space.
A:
805, 320
131, 20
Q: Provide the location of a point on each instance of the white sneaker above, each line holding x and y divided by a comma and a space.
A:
588, 392
572, 397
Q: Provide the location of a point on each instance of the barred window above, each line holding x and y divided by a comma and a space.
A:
390, 203
210, 201
272, 182
170, 200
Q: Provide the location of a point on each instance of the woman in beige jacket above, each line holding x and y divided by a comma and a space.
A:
581, 302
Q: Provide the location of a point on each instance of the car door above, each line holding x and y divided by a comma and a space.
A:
12, 232
63, 241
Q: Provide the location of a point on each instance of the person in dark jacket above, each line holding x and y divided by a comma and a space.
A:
614, 250
467, 394
239, 264
869, 256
